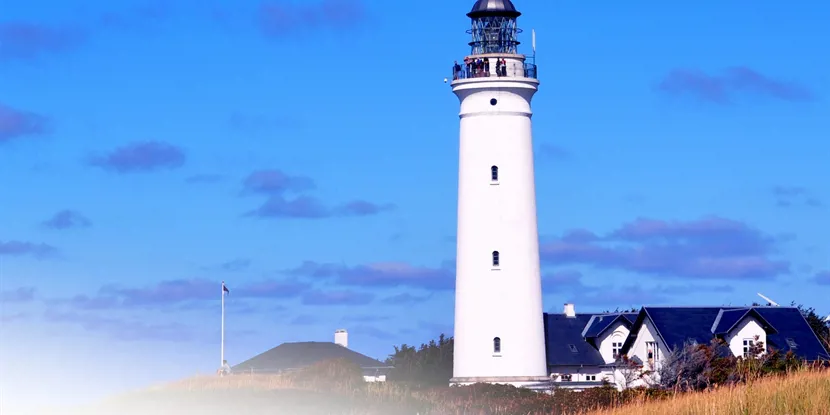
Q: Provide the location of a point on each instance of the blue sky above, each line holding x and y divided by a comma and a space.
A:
306, 153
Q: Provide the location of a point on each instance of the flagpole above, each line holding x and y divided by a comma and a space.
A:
222, 358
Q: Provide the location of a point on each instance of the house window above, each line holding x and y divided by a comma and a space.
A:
496, 345
791, 343
566, 378
616, 347
494, 173
748, 343
651, 351
591, 377
495, 258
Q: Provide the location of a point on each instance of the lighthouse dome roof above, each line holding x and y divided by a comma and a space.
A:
493, 8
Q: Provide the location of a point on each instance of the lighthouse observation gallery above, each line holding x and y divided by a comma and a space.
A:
499, 333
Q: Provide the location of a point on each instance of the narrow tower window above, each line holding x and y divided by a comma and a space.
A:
494, 173
496, 345
495, 258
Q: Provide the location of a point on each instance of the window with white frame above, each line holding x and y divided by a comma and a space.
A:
566, 377
591, 377
748, 344
616, 347
651, 352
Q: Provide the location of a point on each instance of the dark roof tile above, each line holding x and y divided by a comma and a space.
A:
678, 325
564, 344
288, 356
791, 325
601, 322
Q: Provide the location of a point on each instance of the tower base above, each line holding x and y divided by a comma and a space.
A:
530, 382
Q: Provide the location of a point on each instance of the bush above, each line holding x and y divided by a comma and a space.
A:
341, 375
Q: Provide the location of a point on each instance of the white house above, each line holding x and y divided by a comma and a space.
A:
658, 331
583, 350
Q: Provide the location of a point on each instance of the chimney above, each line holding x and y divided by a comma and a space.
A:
341, 337
569, 310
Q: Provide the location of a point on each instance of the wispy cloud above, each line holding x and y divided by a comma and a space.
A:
364, 319
283, 18
6, 318
364, 330
16, 123
570, 284
66, 219
304, 320
340, 297
822, 278
249, 123
19, 295
788, 196
122, 329
721, 88
436, 329
203, 178
310, 207
405, 299
136, 17
385, 274
547, 151
20, 248
236, 265
275, 184
708, 248
143, 156
28, 41
185, 293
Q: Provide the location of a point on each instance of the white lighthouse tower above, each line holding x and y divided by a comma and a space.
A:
499, 333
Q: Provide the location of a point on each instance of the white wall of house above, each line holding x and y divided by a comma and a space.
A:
581, 373
378, 378
747, 329
647, 338
614, 335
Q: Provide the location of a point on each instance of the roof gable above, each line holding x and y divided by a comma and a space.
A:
564, 344
675, 326
786, 328
599, 323
727, 320
301, 354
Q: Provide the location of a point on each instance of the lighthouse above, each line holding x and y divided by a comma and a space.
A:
499, 331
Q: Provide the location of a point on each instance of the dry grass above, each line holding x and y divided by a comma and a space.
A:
805, 392
335, 389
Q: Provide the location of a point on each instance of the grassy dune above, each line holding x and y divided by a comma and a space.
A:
806, 392
337, 389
